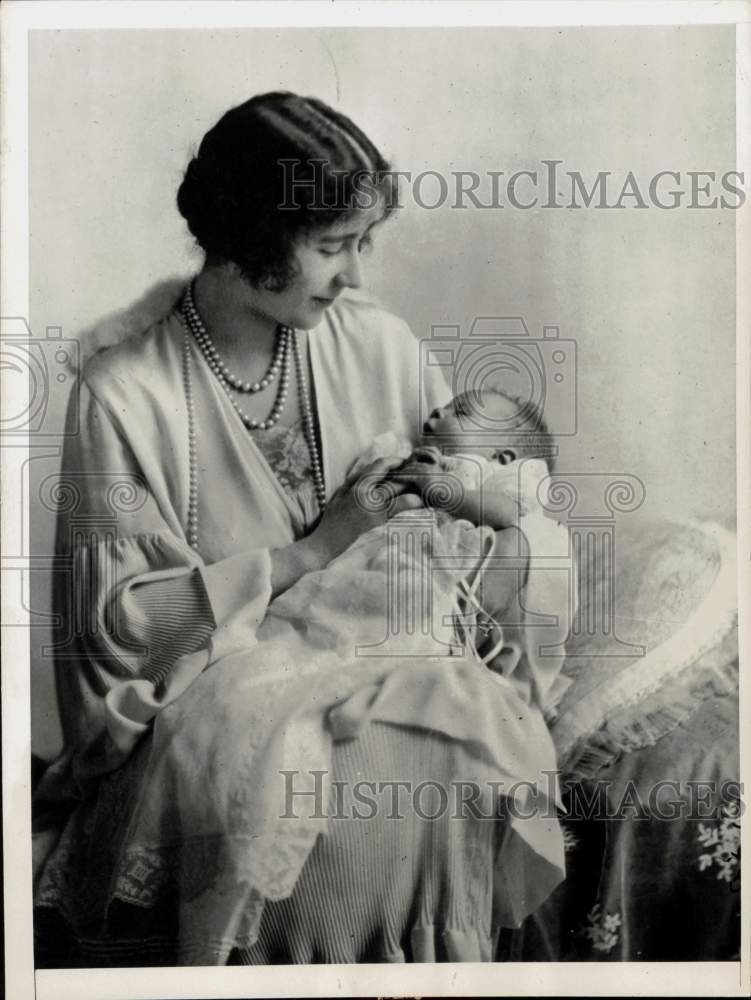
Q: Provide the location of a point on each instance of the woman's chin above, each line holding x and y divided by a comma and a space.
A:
309, 318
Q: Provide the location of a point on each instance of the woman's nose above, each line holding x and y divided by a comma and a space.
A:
351, 275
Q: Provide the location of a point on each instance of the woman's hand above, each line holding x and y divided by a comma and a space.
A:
358, 506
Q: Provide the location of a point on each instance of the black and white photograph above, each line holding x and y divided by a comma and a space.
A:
375, 523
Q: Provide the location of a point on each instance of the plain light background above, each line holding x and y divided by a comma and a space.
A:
648, 295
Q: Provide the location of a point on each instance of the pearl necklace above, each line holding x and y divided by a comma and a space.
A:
193, 325
228, 381
212, 355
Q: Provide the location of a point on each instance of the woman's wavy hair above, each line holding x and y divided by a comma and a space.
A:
271, 170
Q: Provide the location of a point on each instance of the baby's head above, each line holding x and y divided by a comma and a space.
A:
522, 430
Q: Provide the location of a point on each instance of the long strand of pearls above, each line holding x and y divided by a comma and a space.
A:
309, 428
192, 456
194, 326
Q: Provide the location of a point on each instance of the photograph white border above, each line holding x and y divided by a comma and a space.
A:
540, 979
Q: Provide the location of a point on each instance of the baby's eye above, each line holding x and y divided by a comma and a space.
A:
365, 244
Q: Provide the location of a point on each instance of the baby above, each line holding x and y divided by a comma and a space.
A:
485, 483
522, 602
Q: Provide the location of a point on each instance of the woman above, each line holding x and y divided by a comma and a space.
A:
209, 475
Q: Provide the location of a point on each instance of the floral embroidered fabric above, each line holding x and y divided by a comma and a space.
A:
286, 451
653, 874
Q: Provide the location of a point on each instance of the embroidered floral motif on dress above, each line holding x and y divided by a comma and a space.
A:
724, 841
286, 451
570, 840
603, 929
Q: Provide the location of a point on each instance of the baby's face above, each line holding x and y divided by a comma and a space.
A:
444, 425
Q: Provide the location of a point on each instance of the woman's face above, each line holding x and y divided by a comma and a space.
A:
325, 262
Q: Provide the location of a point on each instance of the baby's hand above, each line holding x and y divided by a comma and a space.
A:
419, 461
424, 473
418, 469
429, 454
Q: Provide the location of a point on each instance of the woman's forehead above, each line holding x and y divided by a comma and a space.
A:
353, 224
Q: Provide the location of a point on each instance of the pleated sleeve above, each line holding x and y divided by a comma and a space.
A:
131, 595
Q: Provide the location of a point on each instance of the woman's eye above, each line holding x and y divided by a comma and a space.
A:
329, 251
